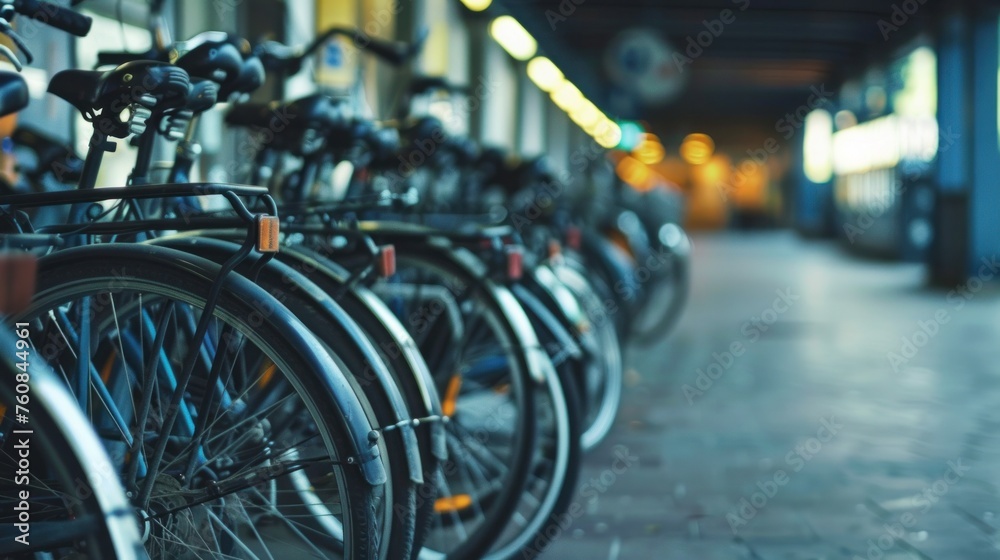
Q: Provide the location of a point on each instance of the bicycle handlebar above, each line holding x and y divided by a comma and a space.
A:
279, 57
54, 15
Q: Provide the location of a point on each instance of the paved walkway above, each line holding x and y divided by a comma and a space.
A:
845, 412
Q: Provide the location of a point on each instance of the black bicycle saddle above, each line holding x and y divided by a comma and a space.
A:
157, 86
211, 57
250, 78
13, 93
298, 127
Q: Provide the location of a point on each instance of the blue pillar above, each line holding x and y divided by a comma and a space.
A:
954, 66
960, 66
813, 202
984, 197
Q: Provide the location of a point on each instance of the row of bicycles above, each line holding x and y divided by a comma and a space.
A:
332, 359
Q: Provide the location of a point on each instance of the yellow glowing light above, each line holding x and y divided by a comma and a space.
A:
649, 150
818, 147
513, 37
883, 142
567, 97
594, 127
586, 114
477, 5
608, 136
633, 172
544, 73
697, 148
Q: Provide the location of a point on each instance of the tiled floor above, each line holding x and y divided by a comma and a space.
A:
844, 440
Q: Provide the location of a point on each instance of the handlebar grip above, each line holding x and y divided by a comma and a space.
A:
55, 16
392, 53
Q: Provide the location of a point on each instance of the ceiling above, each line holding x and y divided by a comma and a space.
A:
761, 65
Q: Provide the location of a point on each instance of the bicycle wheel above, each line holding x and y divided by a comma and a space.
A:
55, 471
355, 354
604, 369
483, 369
540, 511
399, 352
205, 431
667, 297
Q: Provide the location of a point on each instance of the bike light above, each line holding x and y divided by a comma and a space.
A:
268, 228
515, 263
387, 261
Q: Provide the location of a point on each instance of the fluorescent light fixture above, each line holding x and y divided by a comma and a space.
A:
586, 114
884, 142
477, 5
567, 97
513, 37
818, 147
545, 74
596, 126
610, 136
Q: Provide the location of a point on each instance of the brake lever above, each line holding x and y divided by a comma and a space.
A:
7, 30
7, 53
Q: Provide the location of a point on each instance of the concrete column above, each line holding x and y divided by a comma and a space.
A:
499, 107
531, 118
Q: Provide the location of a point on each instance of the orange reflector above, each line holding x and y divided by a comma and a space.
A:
106, 370
267, 234
387, 261
451, 395
17, 281
515, 263
267, 376
3, 411
574, 238
452, 503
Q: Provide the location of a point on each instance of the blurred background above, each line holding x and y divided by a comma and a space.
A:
831, 389
809, 115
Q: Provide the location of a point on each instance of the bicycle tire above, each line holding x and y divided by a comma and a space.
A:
170, 273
